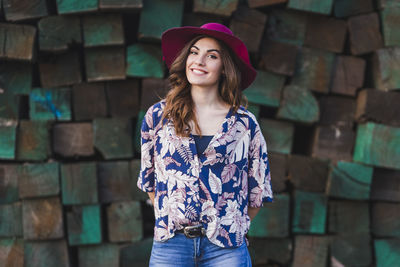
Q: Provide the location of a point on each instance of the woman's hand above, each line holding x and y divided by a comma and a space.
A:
151, 196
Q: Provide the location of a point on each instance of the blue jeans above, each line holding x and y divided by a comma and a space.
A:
181, 251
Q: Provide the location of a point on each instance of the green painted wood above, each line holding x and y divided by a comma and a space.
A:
8, 183
11, 252
266, 89
121, 4
314, 69
273, 219
9, 106
84, 225
16, 77
102, 29
352, 250
349, 217
46, 253
17, 41
310, 251
73, 139
168, 13
263, 250
123, 98
385, 184
125, 223
50, 104
385, 219
137, 137
383, 4
298, 104
137, 194
39, 180
316, 6
222, 7
105, 255
33, 140
42, 219
144, 60
387, 252
310, 212
350, 180
11, 220
385, 70
137, 252
114, 181
287, 26
113, 137
105, 63
24, 9
346, 8
86, 110
364, 41
8, 132
79, 183
254, 109
278, 135
390, 23
378, 145
76, 6
57, 33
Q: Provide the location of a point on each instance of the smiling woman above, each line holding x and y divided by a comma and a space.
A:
204, 159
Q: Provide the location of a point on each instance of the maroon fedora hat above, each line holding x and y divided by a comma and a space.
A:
174, 39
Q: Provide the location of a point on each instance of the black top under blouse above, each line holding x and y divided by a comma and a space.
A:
202, 143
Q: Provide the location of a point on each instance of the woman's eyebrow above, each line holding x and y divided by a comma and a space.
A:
209, 50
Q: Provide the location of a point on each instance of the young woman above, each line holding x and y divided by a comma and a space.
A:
204, 159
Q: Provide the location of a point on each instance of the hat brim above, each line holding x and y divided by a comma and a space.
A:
174, 39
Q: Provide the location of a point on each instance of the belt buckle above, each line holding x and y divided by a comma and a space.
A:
188, 231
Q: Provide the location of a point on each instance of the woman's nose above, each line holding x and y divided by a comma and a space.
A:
200, 60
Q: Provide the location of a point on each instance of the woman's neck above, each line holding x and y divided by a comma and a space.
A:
205, 97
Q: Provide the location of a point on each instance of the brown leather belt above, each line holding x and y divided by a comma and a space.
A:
192, 231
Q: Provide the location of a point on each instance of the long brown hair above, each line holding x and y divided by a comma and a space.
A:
179, 103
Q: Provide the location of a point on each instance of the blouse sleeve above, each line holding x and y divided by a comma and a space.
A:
146, 175
259, 175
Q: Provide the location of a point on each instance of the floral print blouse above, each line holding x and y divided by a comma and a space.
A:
214, 188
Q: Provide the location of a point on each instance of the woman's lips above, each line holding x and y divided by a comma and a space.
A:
197, 71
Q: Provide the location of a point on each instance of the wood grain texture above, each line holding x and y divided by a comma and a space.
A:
8, 136
387, 252
46, 253
11, 220
337, 110
264, 3
385, 68
278, 135
12, 252
84, 225
349, 217
264, 250
123, 98
144, 60
33, 142
278, 57
49, 104
138, 252
102, 29
385, 185
348, 75
121, 4
385, 219
16, 77
17, 41
221, 7
8, 183
88, 110
15, 10
153, 90
316, 6
310, 250
114, 181
390, 23
350, 250
73, 139
105, 63
76, 6
104, 255
346, 8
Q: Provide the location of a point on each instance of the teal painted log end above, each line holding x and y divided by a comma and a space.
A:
89, 231
316, 6
50, 104
8, 135
76, 6
387, 252
144, 60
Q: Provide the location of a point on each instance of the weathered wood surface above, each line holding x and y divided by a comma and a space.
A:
266, 89
346, 8
316, 6
84, 109
263, 250
12, 252
278, 135
58, 33
272, 220
337, 110
364, 33
138, 252
349, 217
17, 41
144, 60
310, 212
198, 19
385, 219
104, 255
39, 180
8, 132
102, 29
314, 68
326, 33
60, 70
50, 104
8, 183
385, 68
153, 90
348, 75
222, 8
73, 139
387, 252
390, 25
125, 221
385, 185
298, 104
105, 63
383, 4
333, 142
84, 225
351, 250
378, 145
168, 14
11, 220
381, 107
350, 180
278, 171
264, 3
121, 4
16, 77
79, 183
278, 57
248, 25
9, 106
76, 6
33, 142
42, 219
15, 10
310, 251
113, 137
137, 135
114, 181
137, 194
306, 173
123, 98
46, 253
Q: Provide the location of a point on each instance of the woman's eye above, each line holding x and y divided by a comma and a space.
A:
213, 57
193, 52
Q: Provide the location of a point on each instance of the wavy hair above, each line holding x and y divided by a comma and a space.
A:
179, 106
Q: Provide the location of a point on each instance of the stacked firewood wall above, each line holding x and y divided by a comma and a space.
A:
76, 78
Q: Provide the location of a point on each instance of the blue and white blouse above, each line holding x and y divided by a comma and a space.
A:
214, 188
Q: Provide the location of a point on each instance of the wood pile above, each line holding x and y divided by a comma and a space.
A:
76, 78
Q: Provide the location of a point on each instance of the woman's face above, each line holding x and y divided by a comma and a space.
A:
204, 64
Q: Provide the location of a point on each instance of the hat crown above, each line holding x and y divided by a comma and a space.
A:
217, 27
